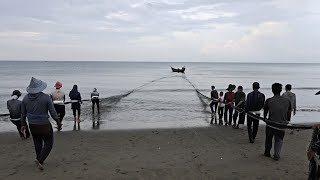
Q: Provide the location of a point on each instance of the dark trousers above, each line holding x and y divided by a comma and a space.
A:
43, 144
95, 101
278, 140
228, 110
18, 124
314, 173
74, 111
215, 104
61, 110
253, 126
220, 112
241, 115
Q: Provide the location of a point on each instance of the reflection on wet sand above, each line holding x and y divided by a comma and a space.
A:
75, 127
96, 121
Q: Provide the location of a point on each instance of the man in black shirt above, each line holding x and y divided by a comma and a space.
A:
255, 102
214, 102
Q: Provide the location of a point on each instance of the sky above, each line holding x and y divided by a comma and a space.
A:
161, 30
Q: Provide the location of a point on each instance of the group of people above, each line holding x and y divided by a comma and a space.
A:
235, 106
35, 107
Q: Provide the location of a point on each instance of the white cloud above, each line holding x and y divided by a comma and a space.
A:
22, 35
120, 15
206, 12
154, 3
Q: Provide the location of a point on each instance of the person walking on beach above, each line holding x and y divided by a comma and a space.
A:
314, 152
279, 110
221, 107
229, 103
58, 97
291, 96
254, 104
95, 99
14, 107
240, 99
35, 107
75, 97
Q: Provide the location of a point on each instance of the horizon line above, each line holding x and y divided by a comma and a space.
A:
137, 61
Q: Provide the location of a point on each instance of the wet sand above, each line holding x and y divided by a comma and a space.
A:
197, 153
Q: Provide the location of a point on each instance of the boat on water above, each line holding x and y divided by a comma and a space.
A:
178, 70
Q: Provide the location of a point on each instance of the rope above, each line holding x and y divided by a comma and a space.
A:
6, 114
270, 123
124, 95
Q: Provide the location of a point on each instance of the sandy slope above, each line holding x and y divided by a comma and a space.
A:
199, 153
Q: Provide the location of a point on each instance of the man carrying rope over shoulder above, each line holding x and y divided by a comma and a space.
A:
279, 110
313, 153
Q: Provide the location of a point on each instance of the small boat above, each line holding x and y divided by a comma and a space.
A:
318, 93
178, 70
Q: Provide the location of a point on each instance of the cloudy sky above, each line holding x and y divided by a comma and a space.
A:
161, 30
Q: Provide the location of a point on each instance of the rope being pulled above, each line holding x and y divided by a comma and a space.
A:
275, 125
122, 95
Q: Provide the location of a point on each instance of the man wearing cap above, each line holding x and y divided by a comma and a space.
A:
229, 103
35, 107
254, 104
14, 107
58, 97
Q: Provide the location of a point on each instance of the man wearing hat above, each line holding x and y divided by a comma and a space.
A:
255, 102
58, 97
35, 107
14, 107
229, 103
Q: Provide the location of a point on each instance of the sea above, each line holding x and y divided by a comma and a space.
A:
139, 95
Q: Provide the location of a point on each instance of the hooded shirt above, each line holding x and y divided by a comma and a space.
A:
35, 107
74, 94
14, 107
94, 94
292, 98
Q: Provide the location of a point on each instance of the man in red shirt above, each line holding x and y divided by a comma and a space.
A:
229, 103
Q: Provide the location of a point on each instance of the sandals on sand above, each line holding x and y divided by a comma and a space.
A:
39, 165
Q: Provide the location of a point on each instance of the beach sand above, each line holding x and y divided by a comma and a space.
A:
197, 153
